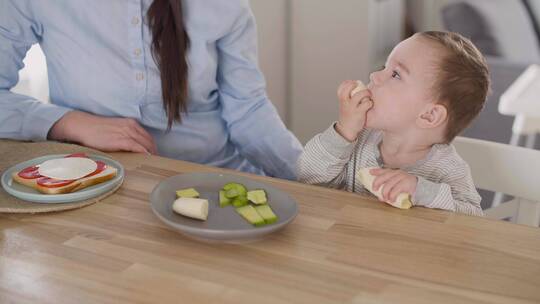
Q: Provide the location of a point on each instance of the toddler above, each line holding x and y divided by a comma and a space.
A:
432, 86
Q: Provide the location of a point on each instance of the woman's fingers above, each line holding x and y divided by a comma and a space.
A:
133, 134
128, 144
150, 144
103, 133
131, 128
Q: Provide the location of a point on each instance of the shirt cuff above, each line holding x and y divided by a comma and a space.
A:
335, 144
40, 120
426, 192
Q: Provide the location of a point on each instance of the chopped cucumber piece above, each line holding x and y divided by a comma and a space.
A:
187, 193
229, 186
234, 189
223, 200
240, 201
266, 213
257, 197
231, 193
250, 214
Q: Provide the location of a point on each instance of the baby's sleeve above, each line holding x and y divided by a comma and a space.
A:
324, 160
455, 192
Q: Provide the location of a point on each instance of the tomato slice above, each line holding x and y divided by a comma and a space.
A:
52, 182
77, 155
100, 167
29, 173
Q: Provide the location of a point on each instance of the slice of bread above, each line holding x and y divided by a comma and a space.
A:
105, 175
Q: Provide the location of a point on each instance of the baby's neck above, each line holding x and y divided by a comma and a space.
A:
398, 151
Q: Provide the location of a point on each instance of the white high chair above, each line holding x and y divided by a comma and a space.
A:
508, 169
522, 100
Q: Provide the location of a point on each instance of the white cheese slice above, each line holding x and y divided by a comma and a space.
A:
196, 208
359, 87
67, 168
403, 201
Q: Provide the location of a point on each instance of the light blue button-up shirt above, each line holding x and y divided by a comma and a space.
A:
99, 61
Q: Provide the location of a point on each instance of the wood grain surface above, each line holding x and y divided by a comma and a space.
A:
342, 248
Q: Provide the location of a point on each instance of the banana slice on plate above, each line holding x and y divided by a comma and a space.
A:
196, 208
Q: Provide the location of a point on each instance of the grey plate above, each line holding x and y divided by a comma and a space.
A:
32, 195
224, 224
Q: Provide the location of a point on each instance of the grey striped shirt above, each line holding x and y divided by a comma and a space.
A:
444, 178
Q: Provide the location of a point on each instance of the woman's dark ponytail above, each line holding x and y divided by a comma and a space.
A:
170, 44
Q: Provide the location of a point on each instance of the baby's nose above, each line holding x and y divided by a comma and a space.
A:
373, 79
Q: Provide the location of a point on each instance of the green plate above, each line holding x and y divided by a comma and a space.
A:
29, 194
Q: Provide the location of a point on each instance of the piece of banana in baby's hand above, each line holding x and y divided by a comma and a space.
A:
403, 201
359, 87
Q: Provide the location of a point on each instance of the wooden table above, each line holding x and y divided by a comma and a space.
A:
340, 248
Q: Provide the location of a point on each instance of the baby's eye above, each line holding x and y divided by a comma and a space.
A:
395, 74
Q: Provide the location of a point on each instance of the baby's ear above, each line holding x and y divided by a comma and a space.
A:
433, 116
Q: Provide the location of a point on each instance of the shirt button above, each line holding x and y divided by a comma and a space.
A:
139, 76
135, 20
137, 52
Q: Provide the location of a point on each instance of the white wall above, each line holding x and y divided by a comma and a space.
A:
329, 44
272, 22
425, 14
33, 80
307, 47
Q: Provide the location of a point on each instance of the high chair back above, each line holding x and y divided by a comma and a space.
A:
508, 169
521, 100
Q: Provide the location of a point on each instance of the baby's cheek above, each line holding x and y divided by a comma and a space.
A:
396, 117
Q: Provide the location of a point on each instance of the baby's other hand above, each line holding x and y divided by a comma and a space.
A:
352, 110
394, 182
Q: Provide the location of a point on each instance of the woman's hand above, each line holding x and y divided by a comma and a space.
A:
352, 110
103, 133
393, 182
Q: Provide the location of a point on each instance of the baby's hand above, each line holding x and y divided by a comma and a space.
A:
352, 110
393, 182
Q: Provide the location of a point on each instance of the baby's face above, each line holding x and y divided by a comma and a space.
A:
402, 89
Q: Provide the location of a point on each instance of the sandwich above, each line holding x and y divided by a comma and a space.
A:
65, 175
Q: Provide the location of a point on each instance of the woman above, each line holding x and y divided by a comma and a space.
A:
170, 77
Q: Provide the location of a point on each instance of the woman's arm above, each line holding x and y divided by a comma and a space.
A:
253, 122
21, 117
24, 118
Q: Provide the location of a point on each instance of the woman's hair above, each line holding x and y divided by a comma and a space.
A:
462, 83
170, 43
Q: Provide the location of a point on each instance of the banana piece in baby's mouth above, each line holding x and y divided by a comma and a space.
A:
359, 87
